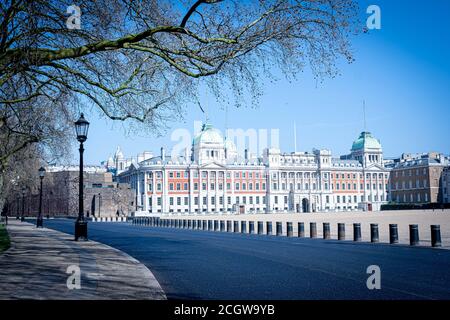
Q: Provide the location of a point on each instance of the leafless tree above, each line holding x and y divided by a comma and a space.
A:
143, 61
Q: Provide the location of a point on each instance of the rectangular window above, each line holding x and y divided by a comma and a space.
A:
158, 201
213, 201
196, 201
185, 186
186, 201
195, 186
171, 201
171, 186
178, 201
205, 200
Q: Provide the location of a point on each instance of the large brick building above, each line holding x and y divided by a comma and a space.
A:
446, 184
212, 177
418, 178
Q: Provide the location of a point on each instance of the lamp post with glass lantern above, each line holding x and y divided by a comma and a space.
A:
81, 128
23, 204
39, 221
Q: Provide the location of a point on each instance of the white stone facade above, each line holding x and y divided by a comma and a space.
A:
213, 179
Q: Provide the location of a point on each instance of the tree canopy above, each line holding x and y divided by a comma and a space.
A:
143, 61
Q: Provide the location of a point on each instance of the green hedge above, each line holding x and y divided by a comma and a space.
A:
4, 239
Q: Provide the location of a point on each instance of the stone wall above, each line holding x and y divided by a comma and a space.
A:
102, 196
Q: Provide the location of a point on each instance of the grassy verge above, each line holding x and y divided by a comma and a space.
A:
4, 239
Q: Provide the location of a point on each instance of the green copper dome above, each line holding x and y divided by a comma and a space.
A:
366, 141
208, 135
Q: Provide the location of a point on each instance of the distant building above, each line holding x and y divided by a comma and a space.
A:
212, 177
418, 178
446, 184
102, 196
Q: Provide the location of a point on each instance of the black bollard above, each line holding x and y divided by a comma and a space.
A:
312, 230
341, 231
243, 227
393, 233
436, 235
279, 229
251, 227
260, 227
235, 226
289, 229
326, 230
222, 226
357, 232
301, 230
229, 226
374, 232
269, 228
413, 234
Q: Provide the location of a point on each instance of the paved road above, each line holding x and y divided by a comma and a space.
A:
191, 264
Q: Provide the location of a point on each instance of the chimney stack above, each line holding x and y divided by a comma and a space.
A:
163, 154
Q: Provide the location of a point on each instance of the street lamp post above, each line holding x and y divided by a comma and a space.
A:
39, 221
81, 128
17, 207
23, 204
99, 203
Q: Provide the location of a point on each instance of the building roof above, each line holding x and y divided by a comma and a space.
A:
366, 141
208, 135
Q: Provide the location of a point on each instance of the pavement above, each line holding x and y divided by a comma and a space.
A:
36, 265
423, 218
194, 264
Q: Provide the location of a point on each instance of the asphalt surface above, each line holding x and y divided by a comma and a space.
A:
194, 264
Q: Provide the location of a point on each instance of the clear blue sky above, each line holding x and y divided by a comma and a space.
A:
402, 72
